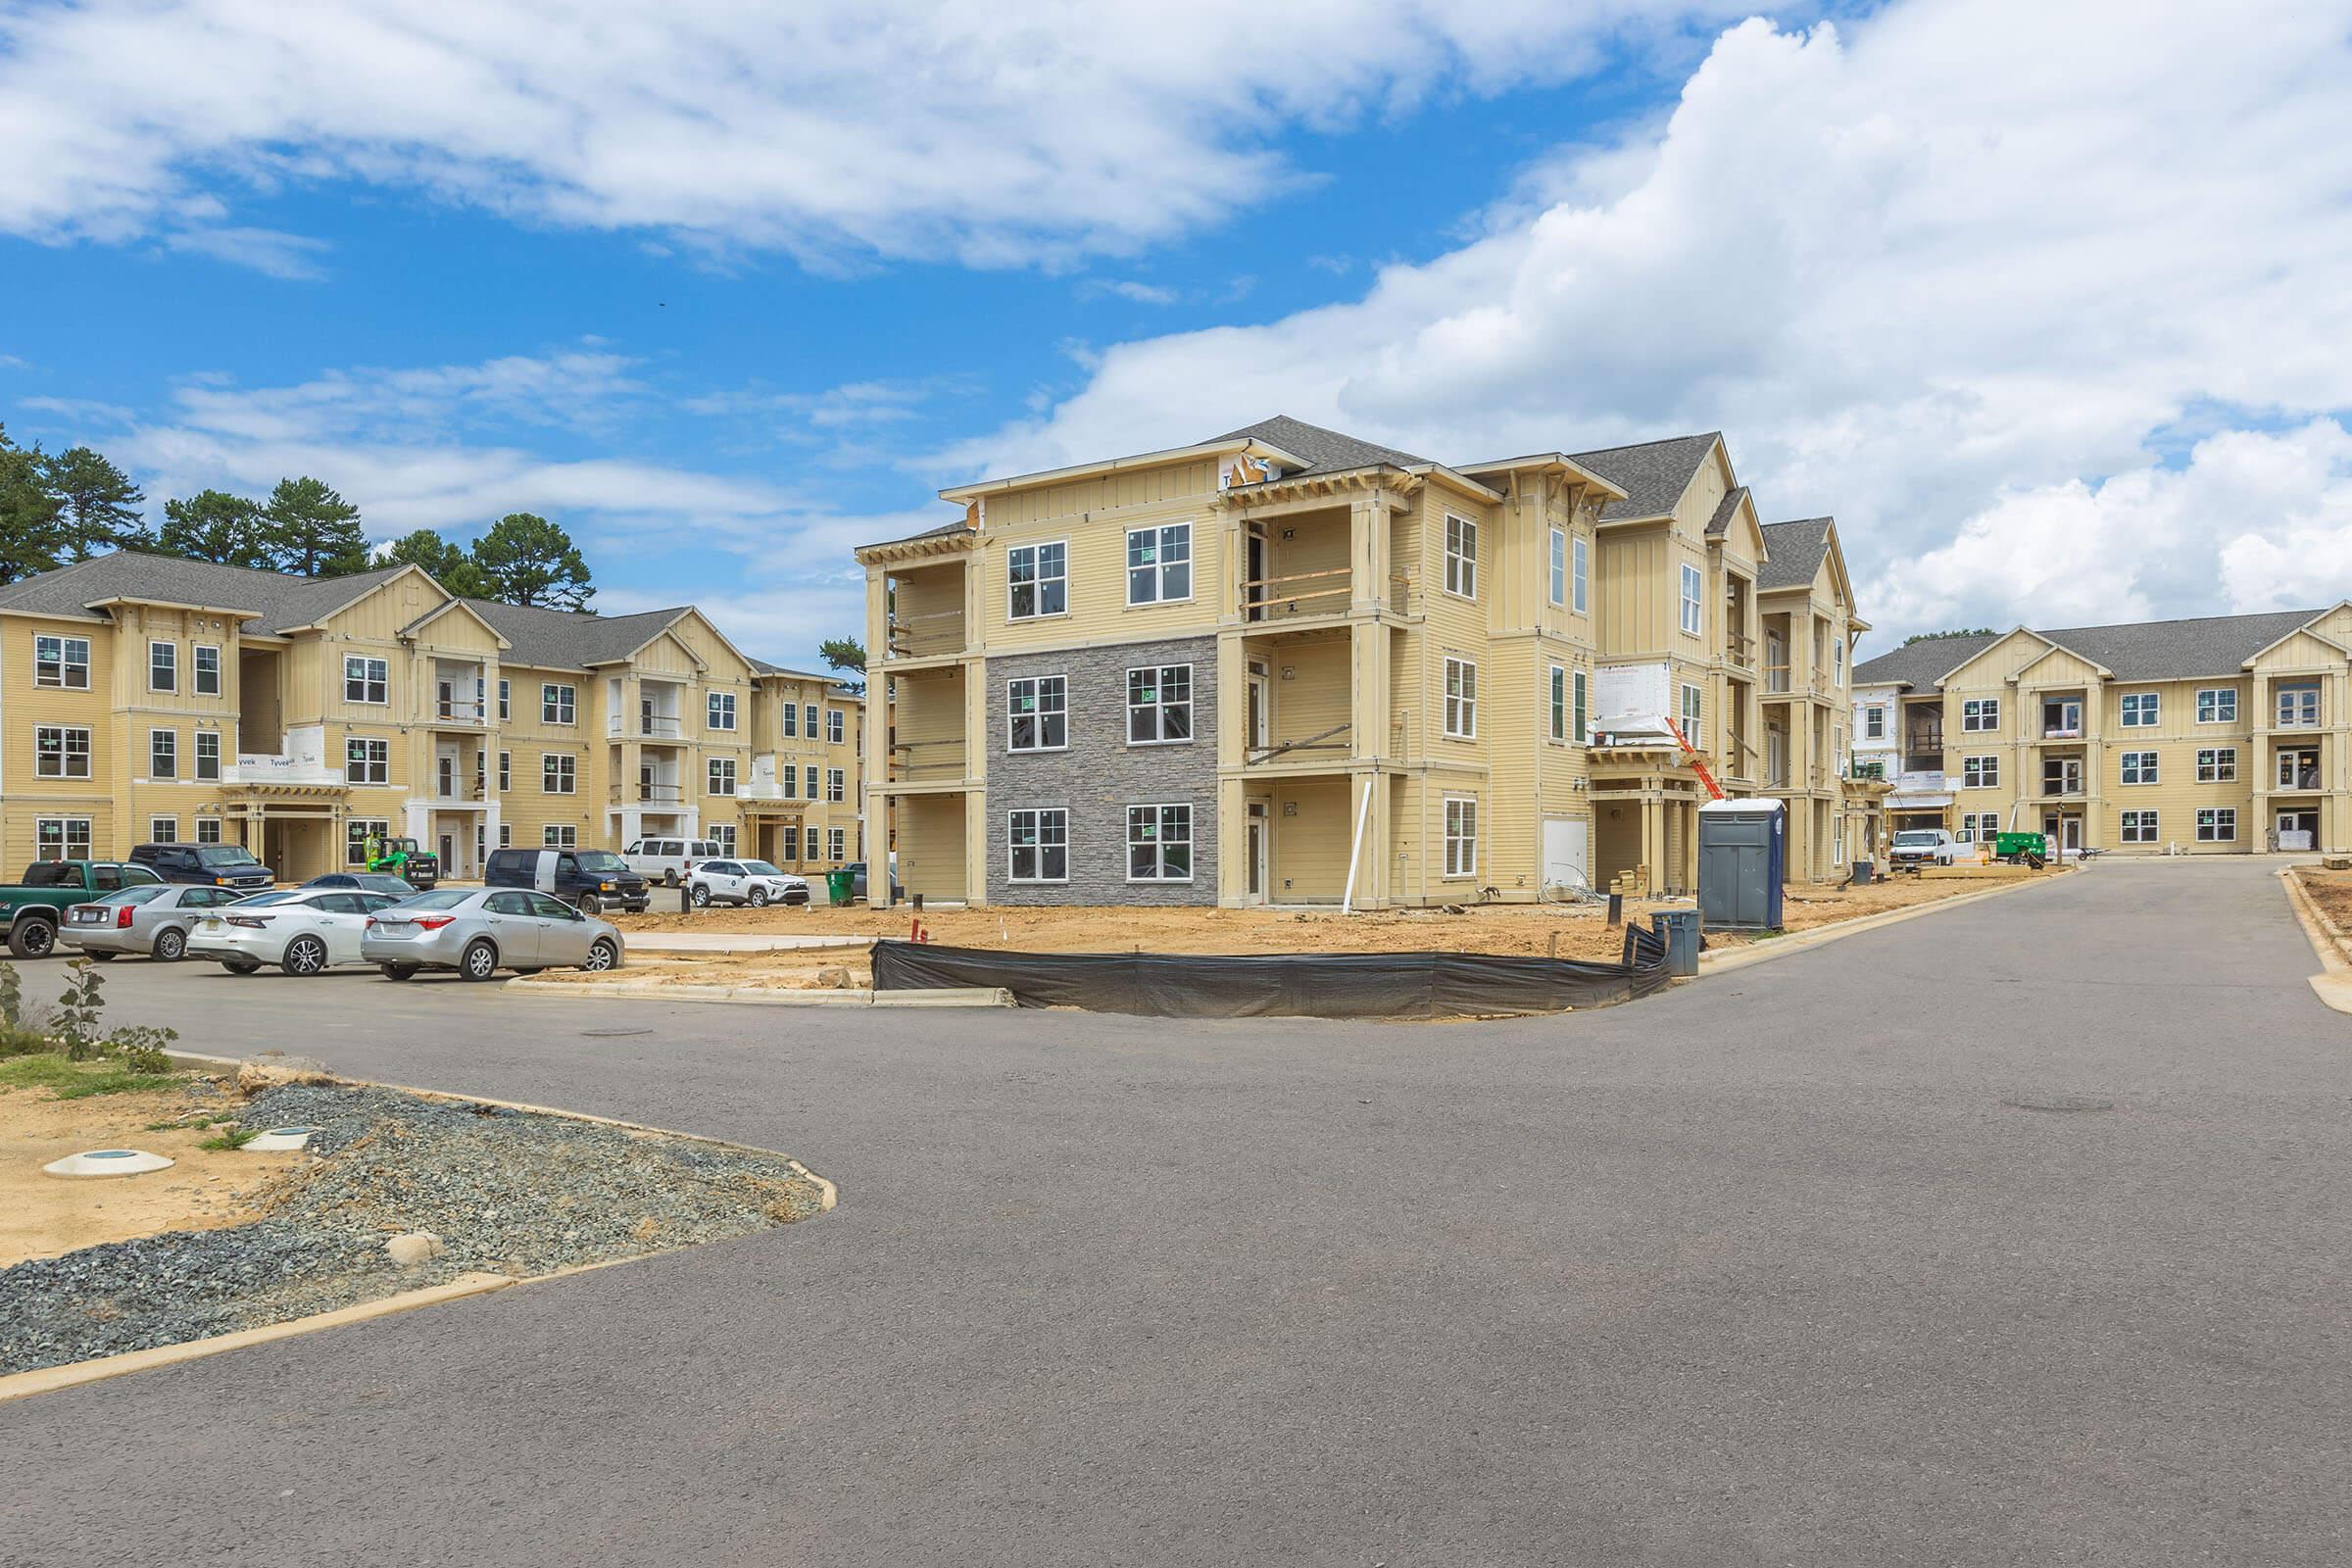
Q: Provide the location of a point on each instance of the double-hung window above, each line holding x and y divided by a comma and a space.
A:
1560, 702
1036, 713
1557, 576
2217, 765
721, 777
2139, 767
2217, 705
560, 835
837, 841
2216, 824
162, 666
163, 830
208, 753
1874, 721
559, 773
2139, 827
61, 838
367, 680
367, 761
1461, 699
810, 780
1461, 836
1159, 844
1461, 556
62, 662
1037, 582
837, 786
1036, 845
357, 831
1159, 704
208, 830
790, 716
1577, 578
1981, 772
1691, 700
833, 726
720, 710
810, 712
1981, 715
1582, 716
2141, 710
2298, 706
163, 754
558, 703
505, 700
207, 669
506, 771
788, 781
1159, 564
61, 751
1692, 586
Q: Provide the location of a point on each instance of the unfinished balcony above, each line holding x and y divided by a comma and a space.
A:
926, 604
1299, 713
1304, 568
459, 695
929, 747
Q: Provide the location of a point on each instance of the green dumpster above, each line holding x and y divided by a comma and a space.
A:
837, 886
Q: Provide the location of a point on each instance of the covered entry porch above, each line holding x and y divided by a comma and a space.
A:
1646, 820
294, 829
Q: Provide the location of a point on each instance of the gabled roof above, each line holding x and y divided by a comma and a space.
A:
1652, 475
1924, 663
563, 639
2134, 651
1325, 451
276, 599
1793, 552
1725, 510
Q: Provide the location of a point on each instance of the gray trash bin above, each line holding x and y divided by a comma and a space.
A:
1682, 940
1864, 873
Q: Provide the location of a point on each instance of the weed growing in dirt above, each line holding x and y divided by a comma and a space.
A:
68, 1079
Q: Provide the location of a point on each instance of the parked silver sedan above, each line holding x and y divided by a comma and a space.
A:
479, 931
151, 919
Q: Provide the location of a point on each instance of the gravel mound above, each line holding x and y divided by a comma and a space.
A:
506, 1192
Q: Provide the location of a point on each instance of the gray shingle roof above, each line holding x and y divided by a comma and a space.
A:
278, 601
2146, 649
560, 639
1325, 451
1792, 552
1653, 475
1725, 510
945, 529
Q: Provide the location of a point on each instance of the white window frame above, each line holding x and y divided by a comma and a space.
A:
559, 703
1692, 716
1153, 575
1461, 699
1982, 771
837, 785
196, 670
1461, 556
366, 761
1461, 838
1154, 711
1038, 713
1694, 606
1556, 568
722, 834
559, 773
2142, 827
506, 705
506, 771
2147, 706
2292, 712
1042, 585
207, 756
2212, 699
64, 661
1579, 576
718, 711
367, 681
1038, 845
168, 665
809, 774
1158, 835
1980, 715
208, 830
1556, 703
506, 835
1874, 721
168, 753
835, 726
837, 841
69, 835
718, 775
2216, 824
2138, 767
2217, 765
356, 833
1583, 716
61, 753
559, 836
790, 725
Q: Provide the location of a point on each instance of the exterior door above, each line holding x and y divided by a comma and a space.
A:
1566, 862
448, 764
1261, 718
449, 850
447, 696
1257, 853
1255, 571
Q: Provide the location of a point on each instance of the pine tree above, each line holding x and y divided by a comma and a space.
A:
445, 564
313, 531
530, 560
213, 526
101, 504
31, 517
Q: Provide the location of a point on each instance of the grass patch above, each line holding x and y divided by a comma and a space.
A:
233, 1138
76, 1080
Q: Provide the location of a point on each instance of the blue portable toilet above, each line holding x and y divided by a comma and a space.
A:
1742, 860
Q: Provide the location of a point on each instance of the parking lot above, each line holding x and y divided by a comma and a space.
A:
2015, 1234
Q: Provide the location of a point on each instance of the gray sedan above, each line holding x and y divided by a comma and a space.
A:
150, 920
479, 931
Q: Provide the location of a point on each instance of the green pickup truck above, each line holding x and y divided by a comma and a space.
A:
32, 907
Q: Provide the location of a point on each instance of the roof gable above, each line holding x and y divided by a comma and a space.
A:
1796, 550
1325, 451
1652, 475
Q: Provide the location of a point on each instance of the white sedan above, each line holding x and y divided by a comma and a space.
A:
302, 931
751, 882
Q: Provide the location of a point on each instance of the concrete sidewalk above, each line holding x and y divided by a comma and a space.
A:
726, 942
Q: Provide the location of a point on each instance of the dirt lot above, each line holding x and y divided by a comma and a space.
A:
1567, 931
2332, 890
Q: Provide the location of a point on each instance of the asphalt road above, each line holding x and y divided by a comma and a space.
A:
2014, 1235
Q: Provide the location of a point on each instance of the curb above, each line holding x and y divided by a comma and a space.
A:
757, 995
2333, 984
1740, 957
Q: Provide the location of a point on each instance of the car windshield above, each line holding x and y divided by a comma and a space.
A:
1914, 838
762, 868
445, 899
225, 854
600, 861
138, 895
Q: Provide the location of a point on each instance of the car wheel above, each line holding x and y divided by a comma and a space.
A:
590, 903
702, 897
669, 879
758, 898
170, 944
602, 955
305, 955
32, 939
102, 957
480, 962
239, 965
397, 971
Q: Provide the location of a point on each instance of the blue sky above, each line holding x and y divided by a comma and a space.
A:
723, 317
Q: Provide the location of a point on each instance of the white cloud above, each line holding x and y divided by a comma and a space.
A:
293, 257
995, 133
1129, 289
1953, 261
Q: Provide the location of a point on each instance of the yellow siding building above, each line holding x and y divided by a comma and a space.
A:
1284, 666
144, 698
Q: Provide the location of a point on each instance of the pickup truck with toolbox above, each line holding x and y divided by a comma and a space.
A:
33, 907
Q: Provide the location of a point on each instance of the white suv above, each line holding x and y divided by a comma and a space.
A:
753, 882
668, 858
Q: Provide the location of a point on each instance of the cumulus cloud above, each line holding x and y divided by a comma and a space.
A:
1950, 267
996, 133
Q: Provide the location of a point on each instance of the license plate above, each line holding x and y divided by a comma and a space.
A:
211, 922
400, 933
89, 915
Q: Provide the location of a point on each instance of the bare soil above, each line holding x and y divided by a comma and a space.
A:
46, 1217
1566, 931
2332, 890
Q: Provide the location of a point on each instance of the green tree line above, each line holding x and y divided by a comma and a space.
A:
58, 509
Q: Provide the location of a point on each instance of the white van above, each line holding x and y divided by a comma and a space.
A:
668, 859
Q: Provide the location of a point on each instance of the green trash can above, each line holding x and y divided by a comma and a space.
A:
837, 887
